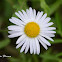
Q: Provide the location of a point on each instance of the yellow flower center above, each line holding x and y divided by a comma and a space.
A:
32, 29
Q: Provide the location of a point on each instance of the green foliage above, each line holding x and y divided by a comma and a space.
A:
21, 4
54, 10
56, 41
58, 22
50, 9
49, 56
4, 43
44, 6
14, 59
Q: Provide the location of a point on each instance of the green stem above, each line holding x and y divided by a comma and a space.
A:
3, 30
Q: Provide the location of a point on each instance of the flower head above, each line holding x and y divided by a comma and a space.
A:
32, 29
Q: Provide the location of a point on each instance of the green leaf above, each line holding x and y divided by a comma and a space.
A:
8, 10
20, 5
48, 56
36, 5
59, 54
44, 6
54, 6
23, 57
60, 60
50, 9
12, 59
35, 58
4, 43
59, 32
57, 41
58, 21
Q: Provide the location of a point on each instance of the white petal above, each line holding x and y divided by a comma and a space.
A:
39, 16
11, 32
17, 21
19, 16
47, 20
49, 28
43, 17
50, 35
27, 11
49, 24
37, 45
31, 46
15, 35
24, 46
34, 13
43, 44
34, 46
21, 43
27, 47
31, 13
22, 16
48, 32
44, 40
15, 28
47, 37
29, 18
20, 39
25, 15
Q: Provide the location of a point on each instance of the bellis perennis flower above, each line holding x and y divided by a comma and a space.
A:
32, 29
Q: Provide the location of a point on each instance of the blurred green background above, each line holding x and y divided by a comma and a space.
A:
8, 47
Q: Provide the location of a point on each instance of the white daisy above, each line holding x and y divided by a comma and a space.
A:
32, 29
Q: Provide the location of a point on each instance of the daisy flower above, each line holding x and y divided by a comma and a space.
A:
32, 29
